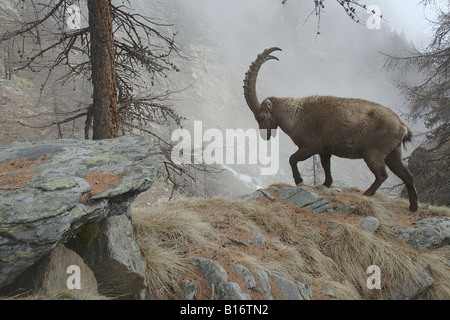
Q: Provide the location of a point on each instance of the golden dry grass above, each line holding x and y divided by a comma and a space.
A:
299, 244
354, 250
164, 234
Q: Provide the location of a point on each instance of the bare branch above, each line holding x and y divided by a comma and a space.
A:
27, 27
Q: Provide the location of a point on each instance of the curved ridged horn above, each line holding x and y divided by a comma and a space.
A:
252, 74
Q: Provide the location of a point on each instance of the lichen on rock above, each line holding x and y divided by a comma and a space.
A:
55, 199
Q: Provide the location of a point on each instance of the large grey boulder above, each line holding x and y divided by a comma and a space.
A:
115, 258
48, 190
432, 180
62, 271
369, 224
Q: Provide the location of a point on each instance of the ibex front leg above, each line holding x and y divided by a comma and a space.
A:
300, 155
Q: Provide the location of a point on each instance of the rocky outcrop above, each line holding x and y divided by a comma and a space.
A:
222, 289
217, 278
50, 190
62, 272
115, 258
430, 167
297, 196
431, 233
290, 289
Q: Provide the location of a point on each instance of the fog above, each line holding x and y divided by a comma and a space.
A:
221, 38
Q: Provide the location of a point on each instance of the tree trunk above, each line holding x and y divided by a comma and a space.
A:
104, 108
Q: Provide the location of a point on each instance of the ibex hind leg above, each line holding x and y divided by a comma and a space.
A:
396, 165
300, 155
325, 159
378, 168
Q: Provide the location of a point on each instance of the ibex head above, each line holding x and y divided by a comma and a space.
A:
263, 111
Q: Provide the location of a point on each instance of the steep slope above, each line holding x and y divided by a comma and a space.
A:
323, 252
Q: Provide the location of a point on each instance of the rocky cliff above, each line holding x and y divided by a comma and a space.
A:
430, 165
53, 191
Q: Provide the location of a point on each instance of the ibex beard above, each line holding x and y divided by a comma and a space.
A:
326, 125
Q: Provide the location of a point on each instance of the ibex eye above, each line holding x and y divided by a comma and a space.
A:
263, 117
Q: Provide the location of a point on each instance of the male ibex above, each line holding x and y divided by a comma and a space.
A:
325, 125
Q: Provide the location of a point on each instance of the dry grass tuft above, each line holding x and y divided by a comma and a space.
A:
354, 250
172, 224
164, 233
440, 271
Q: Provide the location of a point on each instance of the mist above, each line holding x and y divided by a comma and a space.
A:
221, 38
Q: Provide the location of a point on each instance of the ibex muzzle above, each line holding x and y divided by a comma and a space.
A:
326, 125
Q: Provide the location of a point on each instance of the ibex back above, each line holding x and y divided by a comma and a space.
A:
344, 127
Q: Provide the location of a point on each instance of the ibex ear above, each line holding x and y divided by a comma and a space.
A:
269, 104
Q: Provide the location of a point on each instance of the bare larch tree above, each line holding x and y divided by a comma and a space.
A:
104, 106
429, 98
117, 51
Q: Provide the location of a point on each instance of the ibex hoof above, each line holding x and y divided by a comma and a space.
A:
327, 183
368, 193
